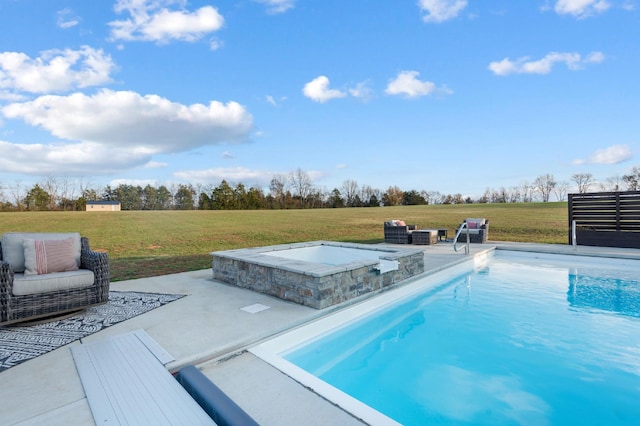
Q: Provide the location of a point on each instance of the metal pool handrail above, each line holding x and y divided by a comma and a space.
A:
467, 246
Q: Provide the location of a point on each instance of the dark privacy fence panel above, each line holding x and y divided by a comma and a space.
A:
607, 219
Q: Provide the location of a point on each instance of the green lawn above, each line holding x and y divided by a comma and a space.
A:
148, 243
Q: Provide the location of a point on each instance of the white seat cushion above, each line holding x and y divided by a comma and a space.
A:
471, 231
34, 284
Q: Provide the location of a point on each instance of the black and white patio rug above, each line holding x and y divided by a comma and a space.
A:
22, 343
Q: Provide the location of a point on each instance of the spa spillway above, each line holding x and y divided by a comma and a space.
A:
318, 273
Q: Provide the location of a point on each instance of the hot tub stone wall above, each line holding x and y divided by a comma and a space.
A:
313, 289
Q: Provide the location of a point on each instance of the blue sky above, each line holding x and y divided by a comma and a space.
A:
454, 96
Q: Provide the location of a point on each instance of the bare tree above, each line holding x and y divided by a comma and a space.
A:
612, 184
86, 190
435, 197
370, 196
430, 197
316, 197
301, 185
50, 184
632, 179
349, 192
486, 197
561, 190
514, 195
544, 184
173, 190
278, 188
526, 189
457, 199
66, 193
501, 195
17, 193
583, 181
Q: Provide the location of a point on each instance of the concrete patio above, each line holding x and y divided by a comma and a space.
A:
208, 328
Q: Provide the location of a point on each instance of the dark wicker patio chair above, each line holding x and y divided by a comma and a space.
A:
24, 307
478, 231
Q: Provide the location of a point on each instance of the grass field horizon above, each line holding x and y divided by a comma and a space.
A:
150, 243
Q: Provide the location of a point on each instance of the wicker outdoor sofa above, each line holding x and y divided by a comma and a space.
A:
30, 291
397, 232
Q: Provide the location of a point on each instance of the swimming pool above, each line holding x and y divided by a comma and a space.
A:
510, 339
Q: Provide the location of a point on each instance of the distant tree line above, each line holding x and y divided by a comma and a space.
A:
292, 191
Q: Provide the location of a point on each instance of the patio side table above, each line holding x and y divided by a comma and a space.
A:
442, 233
424, 236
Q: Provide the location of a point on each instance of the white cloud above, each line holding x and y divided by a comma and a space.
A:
74, 159
66, 19
155, 165
275, 102
407, 83
134, 182
126, 118
614, 154
117, 130
230, 174
318, 90
11, 97
441, 10
245, 175
315, 175
227, 155
581, 8
278, 6
151, 21
524, 65
594, 57
215, 44
55, 70
361, 91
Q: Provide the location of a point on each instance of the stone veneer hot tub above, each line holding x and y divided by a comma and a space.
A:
317, 273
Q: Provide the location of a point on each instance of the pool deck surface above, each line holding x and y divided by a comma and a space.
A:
209, 329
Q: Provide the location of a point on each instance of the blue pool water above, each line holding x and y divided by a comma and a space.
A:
521, 340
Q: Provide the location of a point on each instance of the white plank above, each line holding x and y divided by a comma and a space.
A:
163, 356
126, 384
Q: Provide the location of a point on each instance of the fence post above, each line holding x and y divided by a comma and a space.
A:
618, 211
571, 220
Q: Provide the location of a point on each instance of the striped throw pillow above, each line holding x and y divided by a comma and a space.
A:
47, 256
